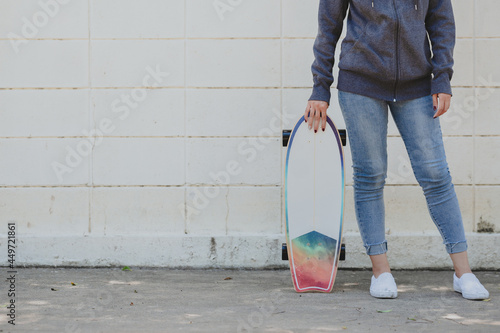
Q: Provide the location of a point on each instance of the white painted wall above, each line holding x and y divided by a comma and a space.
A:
164, 117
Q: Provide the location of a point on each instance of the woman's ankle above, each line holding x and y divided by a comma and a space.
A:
460, 263
460, 272
380, 264
377, 273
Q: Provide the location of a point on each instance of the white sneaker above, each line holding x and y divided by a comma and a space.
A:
384, 286
470, 287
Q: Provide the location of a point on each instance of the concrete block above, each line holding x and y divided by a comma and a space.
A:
487, 72
227, 19
139, 161
254, 210
486, 160
46, 212
487, 209
350, 222
486, 112
407, 212
206, 210
252, 160
294, 105
233, 112
31, 19
465, 194
44, 63
34, 112
300, 18
459, 120
233, 210
463, 67
44, 162
153, 112
133, 19
137, 63
233, 63
459, 152
399, 200
464, 17
486, 19
137, 211
297, 59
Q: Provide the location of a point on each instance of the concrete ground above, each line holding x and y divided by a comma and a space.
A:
161, 300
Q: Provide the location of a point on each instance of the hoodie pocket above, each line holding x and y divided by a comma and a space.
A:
371, 54
349, 44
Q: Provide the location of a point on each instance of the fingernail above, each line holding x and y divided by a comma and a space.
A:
323, 129
315, 131
305, 120
435, 108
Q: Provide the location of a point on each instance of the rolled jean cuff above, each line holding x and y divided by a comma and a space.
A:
375, 249
456, 247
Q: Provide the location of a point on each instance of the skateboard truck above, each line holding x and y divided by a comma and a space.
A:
286, 137
287, 133
284, 252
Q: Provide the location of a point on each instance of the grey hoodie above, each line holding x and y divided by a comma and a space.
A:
386, 53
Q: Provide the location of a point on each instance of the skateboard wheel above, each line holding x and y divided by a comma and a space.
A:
284, 252
286, 137
343, 136
342, 252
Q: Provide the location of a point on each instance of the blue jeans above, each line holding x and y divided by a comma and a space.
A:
366, 121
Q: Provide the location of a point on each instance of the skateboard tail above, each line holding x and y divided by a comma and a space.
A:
313, 262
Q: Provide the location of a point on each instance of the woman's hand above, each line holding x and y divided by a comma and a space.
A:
441, 103
316, 110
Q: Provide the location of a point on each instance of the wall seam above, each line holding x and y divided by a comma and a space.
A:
91, 115
474, 91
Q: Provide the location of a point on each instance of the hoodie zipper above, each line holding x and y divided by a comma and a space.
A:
397, 46
397, 51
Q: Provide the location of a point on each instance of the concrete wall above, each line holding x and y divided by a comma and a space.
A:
149, 133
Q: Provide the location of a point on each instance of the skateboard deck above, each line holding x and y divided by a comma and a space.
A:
314, 202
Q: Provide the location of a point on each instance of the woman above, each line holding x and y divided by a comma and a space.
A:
386, 62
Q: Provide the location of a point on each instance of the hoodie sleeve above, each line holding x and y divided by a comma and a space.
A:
331, 16
440, 25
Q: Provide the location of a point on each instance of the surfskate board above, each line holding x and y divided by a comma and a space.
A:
314, 203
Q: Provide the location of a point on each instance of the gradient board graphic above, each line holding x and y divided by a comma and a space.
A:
314, 202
